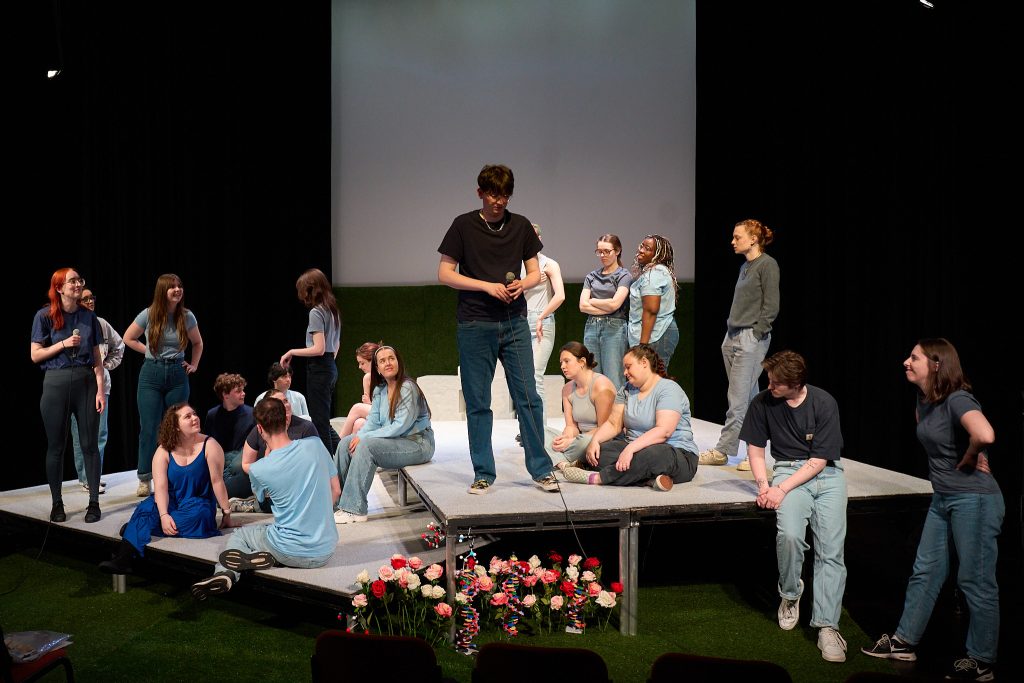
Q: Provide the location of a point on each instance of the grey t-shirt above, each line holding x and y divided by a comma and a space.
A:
641, 414
321, 320
945, 442
603, 286
168, 348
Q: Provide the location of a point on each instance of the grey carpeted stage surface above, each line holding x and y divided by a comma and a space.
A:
714, 492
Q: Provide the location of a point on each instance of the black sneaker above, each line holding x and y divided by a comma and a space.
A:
237, 560
57, 513
220, 582
891, 648
971, 669
92, 513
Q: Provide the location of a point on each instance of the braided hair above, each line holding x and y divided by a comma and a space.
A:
663, 256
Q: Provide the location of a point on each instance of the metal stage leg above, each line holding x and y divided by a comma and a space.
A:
403, 490
120, 583
629, 542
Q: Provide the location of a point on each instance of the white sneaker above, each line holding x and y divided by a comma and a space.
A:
342, 517
743, 465
712, 456
831, 644
789, 611
243, 504
142, 490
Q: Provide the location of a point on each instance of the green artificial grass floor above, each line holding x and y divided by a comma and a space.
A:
156, 632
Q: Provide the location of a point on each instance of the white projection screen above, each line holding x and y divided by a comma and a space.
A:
590, 102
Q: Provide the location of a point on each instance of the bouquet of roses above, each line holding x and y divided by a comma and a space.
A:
404, 598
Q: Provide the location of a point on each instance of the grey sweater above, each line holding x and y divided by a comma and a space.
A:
755, 303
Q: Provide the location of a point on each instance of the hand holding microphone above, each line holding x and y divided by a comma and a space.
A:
513, 286
74, 341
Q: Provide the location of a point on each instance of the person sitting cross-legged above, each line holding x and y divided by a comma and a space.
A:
300, 481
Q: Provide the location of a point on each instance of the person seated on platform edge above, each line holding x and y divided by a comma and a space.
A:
298, 477
356, 417
481, 256
229, 423
802, 423
255, 448
187, 489
397, 433
279, 377
647, 439
587, 400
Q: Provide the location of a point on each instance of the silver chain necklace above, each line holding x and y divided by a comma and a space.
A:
498, 229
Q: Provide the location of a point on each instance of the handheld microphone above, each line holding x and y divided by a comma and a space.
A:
510, 277
74, 349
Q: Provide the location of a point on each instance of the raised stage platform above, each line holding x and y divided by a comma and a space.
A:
513, 505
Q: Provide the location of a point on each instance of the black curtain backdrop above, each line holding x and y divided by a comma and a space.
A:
874, 137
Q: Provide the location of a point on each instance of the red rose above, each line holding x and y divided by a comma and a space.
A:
554, 557
568, 587
591, 563
525, 567
397, 562
378, 588
616, 587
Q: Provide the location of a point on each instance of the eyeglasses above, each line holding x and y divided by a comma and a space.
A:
75, 281
604, 252
88, 299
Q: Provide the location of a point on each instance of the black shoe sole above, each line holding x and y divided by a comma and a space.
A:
239, 561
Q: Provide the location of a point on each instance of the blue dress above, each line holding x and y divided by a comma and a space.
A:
190, 502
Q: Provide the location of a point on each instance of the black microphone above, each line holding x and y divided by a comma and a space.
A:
74, 349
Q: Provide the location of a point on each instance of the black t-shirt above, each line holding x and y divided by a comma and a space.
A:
487, 254
811, 430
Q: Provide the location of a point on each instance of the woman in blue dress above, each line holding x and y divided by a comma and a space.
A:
188, 479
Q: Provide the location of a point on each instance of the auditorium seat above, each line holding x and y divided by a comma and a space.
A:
508, 663
677, 666
342, 656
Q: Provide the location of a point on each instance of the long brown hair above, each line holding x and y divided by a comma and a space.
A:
947, 375
56, 310
158, 314
315, 290
396, 396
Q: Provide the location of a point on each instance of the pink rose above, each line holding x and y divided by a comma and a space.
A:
530, 580
386, 573
415, 563
443, 610
574, 560
550, 576
360, 600
499, 599
529, 600
557, 601
485, 584
594, 589
434, 572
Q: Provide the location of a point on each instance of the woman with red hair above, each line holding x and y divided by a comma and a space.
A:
65, 344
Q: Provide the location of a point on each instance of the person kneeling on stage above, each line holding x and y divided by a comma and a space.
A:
647, 440
397, 433
188, 467
298, 478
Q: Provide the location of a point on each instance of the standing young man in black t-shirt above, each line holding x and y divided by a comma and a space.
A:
482, 255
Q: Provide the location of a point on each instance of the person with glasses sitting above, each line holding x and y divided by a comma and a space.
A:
112, 350
65, 343
605, 300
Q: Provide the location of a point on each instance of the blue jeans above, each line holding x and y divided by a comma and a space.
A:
822, 502
253, 539
541, 350
236, 481
161, 385
101, 443
973, 521
742, 354
356, 469
665, 346
481, 344
605, 337
321, 376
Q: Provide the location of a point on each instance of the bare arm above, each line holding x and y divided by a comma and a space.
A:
97, 369
809, 470
665, 422
335, 489
613, 304
40, 353
554, 273
197, 350
608, 430
447, 274
160, 460
317, 349
651, 306
248, 457
131, 338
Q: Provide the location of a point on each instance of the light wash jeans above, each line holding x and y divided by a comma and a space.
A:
576, 450
742, 354
973, 520
822, 502
101, 442
162, 384
665, 346
481, 344
356, 470
605, 337
541, 349
253, 539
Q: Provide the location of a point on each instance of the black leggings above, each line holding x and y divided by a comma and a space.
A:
66, 392
647, 464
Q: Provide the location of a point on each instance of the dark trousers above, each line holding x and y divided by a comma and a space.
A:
321, 376
67, 392
647, 464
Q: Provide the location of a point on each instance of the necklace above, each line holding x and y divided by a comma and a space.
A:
498, 229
